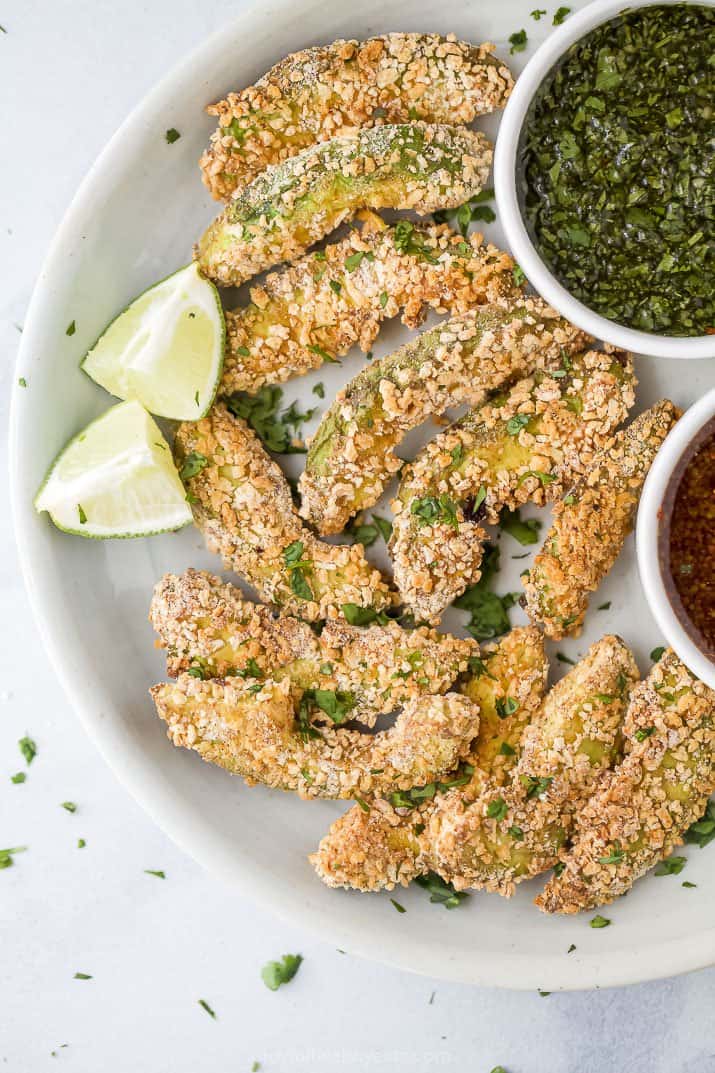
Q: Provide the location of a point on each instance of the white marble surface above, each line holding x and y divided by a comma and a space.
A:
69, 72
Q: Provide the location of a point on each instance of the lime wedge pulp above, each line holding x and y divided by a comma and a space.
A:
115, 479
166, 348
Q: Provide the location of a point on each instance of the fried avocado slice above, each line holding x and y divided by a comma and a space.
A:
641, 811
211, 631
377, 849
591, 524
352, 454
514, 832
331, 89
251, 730
287, 208
243, 506
527, 445
329, 301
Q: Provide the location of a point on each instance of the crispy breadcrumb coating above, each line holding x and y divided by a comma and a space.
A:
591, 524
329, 301
644, 806
334, 89
288, 207
209, 628
352, 454
514, 832
375, 850
526, 446
251, 730
242, 504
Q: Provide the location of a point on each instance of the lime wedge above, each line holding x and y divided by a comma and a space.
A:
115, 479
166, 348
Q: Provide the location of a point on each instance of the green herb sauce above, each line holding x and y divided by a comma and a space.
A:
618, 169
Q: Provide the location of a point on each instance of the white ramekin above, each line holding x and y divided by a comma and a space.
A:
648, 527
505, 185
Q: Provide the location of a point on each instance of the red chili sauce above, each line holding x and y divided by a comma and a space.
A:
689, 554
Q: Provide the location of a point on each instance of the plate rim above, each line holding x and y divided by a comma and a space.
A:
506, 969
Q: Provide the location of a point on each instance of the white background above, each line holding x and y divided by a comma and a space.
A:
69, 73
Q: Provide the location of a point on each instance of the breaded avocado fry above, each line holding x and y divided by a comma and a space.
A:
514, 832
524, 446
211, 631
375, 850
242, 504
591, 523
334, 89
352, 454
250, 729
329, 301
645, 805
288, 207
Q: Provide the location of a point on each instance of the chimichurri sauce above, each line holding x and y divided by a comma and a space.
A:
618, 169
692, 542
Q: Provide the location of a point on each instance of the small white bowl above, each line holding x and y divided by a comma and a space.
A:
505, 186
649, 526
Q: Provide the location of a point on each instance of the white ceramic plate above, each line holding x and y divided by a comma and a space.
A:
132, 222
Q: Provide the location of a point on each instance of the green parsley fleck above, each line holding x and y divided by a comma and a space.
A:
560, 15
488, 611
440, 892
657, 653
537, 13
398, 907
571, 948
383, 299
644, 732
319, 390
69, 806
497, 809
276, 430
192, 465
599, 922
6, 855
172, 135
431, 510
505, 706
604, 607
518, 276
81, 843
82, 515
518, 41
687, 884
276, 973
82, 976
671, 866
299, 586
614, 857
703, 830
356, 615
158, 873
71, 328
526, 531
204, 1005
565, 659
20, 777
22, 382
28, 749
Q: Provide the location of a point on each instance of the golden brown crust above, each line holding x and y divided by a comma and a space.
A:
327, 302
334, 89
526, 447
514, 832
591, 524
250, 730
645, 805
209, 628
375, 850
242, 504
352, 454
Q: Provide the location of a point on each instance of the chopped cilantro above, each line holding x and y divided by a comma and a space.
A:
686, 883
432, 510
537, 13
71, 328
534, 786
440, 893
172, 135
398, 907
560, 15
335, 703
192, 465
204, 1005
518, 276
571, 948
363, 616
518, 41
82, 515
497, 809
516, 833
28, 749
81, 843
488, 611
383, 299
20, 777
6, 855
335, 287
276, 973
261, 411
598, 921
604, 607
506, 749
384, 527
526, 532
22, 382
82, 976
505, 706
703, 830
69, 806
657, 653
644, 732
319, 390
411, 241
565, 659
516, 423
158, 873
671, 866
614, 857
299, 585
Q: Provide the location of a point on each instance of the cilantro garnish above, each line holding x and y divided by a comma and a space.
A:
441, 893
83, 976
657, 653
598, 921
535, 786
6, 855
518, 276
410, 241
671, 866
560, 15
20, 777
22, 381
363, 616
565, 659
69, 806
71, 328
537, 13
703, 830
487, 610
398, 907
431, 510
319, 390
276, 973
505, 706
614, 857
192, 465
204, 1005
158, 873
299, 586
172, 135
526, 532
261, 411
28, 749
644, 732
497, 809
518, 41
82, 515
